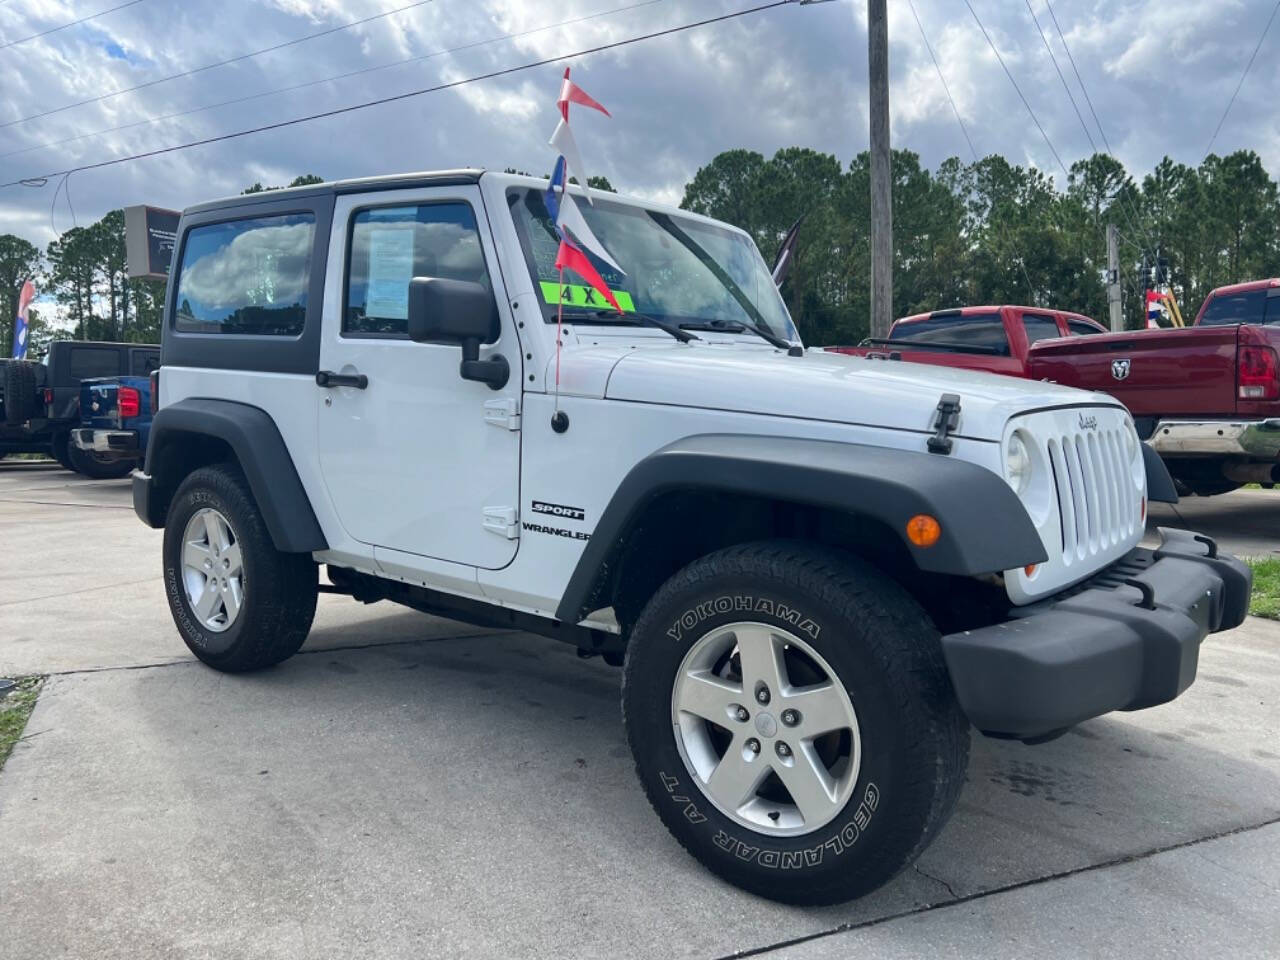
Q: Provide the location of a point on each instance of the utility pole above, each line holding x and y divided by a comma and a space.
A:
1113, 278
881, 173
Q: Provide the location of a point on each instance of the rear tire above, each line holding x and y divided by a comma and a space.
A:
239, 603
93, 465
891, 768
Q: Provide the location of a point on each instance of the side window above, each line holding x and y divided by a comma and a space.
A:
246, 277
1039, 327
389, 246
88, 362
1235, 308
143, 362
1082, 328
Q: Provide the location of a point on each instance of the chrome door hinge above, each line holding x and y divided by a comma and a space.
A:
503, 413
502, 521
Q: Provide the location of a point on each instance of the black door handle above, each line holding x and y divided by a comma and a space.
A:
327, 378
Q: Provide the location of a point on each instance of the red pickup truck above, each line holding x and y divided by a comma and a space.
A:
1207, 396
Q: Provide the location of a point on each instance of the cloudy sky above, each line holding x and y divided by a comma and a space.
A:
1160, 73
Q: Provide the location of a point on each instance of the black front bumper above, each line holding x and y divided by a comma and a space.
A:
1125, 639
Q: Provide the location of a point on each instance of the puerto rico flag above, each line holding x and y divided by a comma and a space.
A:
20, 324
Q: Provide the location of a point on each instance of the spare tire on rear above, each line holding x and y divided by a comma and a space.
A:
19, 391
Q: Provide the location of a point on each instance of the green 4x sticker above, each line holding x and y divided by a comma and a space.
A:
580, 295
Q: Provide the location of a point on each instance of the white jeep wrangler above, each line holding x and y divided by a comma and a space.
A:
817, 571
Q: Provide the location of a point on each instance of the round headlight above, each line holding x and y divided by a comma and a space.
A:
1017, 464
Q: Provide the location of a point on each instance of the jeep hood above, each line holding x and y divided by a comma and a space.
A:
828, 386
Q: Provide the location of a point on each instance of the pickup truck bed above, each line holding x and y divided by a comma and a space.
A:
115, 423
1207, 397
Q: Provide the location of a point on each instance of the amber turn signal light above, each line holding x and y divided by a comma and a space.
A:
923, 530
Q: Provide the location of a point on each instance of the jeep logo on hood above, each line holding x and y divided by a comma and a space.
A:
1088, 421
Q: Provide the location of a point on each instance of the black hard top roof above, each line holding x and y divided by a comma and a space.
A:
395, 181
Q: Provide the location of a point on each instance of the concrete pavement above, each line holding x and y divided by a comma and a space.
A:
80, 584
1244, 522
400, 790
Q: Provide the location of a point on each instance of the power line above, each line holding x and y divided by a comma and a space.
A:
340, 76
1080, 80
1222, 120
33, 180
221, 63
1036, 119
92, 16
1045, 40
1134, 221
1031, 290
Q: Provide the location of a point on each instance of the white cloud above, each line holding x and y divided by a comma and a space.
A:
1159, 72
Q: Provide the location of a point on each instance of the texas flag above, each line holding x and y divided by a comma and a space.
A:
25, 297
565, 214
1155, 309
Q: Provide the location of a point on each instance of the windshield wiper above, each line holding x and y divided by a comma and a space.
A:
612, 315
737, 326
726, 281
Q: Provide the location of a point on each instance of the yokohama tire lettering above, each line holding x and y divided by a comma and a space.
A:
690, 619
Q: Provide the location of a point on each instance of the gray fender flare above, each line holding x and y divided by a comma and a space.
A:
256, 441
985, 528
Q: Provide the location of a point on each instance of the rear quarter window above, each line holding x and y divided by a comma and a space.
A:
1039, 327
246, 277
143, 362
1083, 328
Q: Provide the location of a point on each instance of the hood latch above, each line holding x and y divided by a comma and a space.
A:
948, 419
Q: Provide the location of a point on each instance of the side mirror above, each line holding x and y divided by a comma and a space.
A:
461, 312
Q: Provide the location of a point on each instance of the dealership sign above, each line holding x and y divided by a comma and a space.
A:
149, 234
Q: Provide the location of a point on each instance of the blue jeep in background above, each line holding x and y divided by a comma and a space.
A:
40, 402
115, 422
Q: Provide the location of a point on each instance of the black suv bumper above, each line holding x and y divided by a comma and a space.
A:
1125, 639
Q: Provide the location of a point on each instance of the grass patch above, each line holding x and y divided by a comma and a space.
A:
14, 710
1266, 588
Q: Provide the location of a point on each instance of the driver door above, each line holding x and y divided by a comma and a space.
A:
418, 461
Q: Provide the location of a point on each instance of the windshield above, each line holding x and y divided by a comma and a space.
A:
679, 270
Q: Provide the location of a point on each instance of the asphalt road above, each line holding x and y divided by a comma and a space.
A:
402, 789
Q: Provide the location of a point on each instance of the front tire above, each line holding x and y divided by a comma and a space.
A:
792, 720
239, 603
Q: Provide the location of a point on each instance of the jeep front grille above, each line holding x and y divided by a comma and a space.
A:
1096, 507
